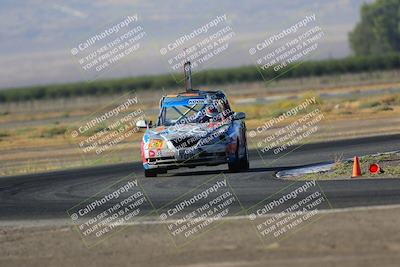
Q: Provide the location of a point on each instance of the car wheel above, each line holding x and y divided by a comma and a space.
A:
234, 166
244, 162
150, 173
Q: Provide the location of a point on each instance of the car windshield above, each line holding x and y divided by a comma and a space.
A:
194, 111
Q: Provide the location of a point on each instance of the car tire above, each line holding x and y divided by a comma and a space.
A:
235, 165
244, 162
150, 172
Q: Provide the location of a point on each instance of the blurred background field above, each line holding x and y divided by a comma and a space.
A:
357, 92
33, 133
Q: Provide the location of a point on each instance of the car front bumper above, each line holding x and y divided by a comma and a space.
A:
206, 156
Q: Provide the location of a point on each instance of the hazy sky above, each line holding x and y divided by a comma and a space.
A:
37, 35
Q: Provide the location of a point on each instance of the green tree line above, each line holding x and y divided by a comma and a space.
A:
208, 77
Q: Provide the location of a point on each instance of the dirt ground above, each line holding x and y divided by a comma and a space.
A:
350, 238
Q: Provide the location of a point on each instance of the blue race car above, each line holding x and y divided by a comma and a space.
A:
194, 128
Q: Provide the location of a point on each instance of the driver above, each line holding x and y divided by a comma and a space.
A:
211, 113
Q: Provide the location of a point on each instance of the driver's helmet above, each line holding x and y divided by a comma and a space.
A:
211, 111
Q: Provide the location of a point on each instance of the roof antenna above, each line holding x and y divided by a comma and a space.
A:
187, 69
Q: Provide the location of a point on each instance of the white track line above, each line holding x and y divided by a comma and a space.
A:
154, 221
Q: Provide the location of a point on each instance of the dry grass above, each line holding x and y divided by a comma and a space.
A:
389, 163
33, 136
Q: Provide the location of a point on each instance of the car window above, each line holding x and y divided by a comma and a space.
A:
195, 113
182, 114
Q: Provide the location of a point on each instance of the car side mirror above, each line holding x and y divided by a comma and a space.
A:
144, 124
239, 116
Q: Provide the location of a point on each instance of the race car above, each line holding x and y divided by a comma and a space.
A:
194, 128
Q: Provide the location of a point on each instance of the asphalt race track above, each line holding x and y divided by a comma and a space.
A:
50, 195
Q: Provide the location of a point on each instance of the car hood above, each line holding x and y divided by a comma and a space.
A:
188, 130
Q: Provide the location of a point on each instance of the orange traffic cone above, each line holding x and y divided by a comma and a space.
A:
356, 168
